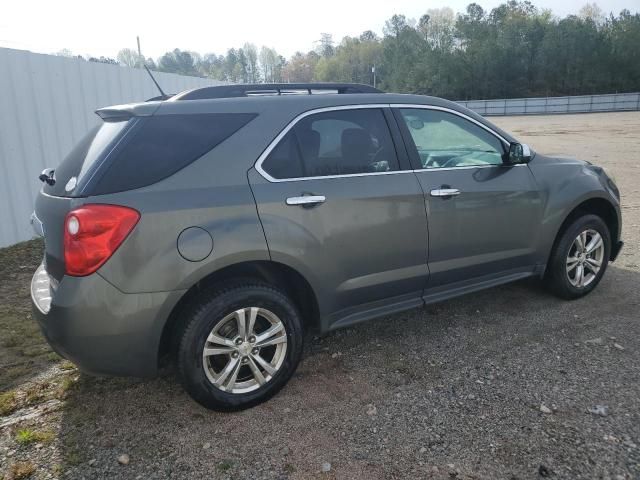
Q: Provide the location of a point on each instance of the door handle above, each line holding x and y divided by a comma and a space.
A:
445, 192
306, 200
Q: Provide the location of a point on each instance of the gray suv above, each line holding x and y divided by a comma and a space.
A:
216, 227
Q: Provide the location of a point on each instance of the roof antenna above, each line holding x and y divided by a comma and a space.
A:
164, 96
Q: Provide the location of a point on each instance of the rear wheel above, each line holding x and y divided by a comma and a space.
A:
579, 258
240, 346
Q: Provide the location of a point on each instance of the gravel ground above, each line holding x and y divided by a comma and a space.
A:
509, 383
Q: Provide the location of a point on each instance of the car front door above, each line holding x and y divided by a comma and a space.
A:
482, 213
341, 206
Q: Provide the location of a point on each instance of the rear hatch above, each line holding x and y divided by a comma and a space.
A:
63, 189
131, 148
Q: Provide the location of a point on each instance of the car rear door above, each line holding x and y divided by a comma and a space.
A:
483, 214
339, 203
60, 186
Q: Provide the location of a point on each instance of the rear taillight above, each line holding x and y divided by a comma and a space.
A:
92, 233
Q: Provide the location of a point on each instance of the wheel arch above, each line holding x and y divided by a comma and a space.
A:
293, 283
595, 206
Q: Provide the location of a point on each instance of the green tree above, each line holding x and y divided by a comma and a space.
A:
513, 50
271, 65
301, 67
130, 58
178, 61
351, 62
402, 47
253, 70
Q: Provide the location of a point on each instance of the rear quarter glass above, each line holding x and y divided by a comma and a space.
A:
83, 156
159, 146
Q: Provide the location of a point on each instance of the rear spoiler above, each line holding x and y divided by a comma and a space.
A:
125, 112
160, 98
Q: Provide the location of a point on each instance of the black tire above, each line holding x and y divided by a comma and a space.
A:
556, 277
209, 310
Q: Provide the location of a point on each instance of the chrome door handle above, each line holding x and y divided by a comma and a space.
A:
306, 200
445, 192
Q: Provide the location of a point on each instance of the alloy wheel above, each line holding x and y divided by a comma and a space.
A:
585, 258
245, 350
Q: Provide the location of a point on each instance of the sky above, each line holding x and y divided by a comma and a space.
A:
103, 28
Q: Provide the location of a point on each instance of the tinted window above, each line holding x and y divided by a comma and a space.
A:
285, 161
163, 144
446, 140
83, 156
339, 142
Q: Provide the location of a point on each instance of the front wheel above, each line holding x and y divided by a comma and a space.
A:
240, 346
579, 258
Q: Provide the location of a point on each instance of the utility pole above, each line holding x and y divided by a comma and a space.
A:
139, 51
373, 70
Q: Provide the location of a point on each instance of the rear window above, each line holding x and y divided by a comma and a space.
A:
159, 146
83, 156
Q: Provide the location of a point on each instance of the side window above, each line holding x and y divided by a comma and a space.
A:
339, 142
446, 140
285, 161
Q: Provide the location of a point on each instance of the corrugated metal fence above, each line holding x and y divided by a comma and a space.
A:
545, 105
46, 105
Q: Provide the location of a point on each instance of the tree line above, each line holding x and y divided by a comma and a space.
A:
513, 50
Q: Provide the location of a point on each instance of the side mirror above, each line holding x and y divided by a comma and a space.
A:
519, 153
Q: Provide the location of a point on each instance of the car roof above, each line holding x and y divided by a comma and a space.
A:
261, 103
286, 105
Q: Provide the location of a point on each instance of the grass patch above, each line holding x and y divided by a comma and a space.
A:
65, 386
52, 357
22, 256
225, 466
21, 470
36, 393
20, 331
73, 457
11, 341
23, 349
57, 470
36, 350
7, 402
66, 365
27, 436
72, 444
10, 374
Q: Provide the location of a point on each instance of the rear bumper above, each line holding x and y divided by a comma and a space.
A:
615, 250
101, 329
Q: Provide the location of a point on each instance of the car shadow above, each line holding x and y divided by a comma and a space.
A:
324, 410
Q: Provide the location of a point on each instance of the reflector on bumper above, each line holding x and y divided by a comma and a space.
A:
41, 289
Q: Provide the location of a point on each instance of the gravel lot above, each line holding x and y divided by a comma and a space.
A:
509, 383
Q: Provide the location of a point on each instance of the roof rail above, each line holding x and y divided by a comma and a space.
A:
246, 90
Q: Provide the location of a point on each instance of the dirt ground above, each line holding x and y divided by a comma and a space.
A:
509, 383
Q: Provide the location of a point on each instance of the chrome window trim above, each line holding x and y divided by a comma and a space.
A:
468, 167
292, 123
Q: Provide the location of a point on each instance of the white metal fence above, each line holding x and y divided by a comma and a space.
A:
544, 105
46, 104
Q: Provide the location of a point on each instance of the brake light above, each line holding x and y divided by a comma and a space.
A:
92, 233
